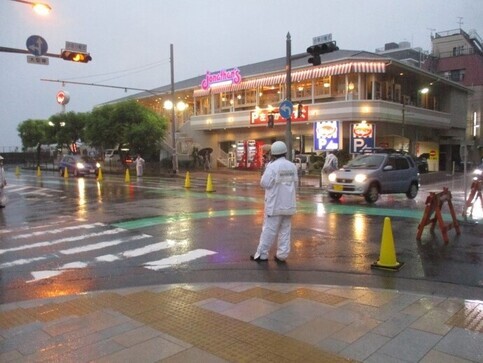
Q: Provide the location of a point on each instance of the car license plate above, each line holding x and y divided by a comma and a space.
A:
338, 187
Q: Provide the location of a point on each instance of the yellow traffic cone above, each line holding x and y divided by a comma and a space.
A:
209, 184
17, 171
387, 257
39, 173
127, 178
66, 173
99, 175
187, 181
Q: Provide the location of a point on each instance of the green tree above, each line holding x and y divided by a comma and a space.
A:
126, 124
33, 132
68, 128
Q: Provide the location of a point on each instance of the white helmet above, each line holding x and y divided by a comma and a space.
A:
278, 148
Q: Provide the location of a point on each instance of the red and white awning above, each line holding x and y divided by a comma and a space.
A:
298, 76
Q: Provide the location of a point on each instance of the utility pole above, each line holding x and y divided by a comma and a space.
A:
173, 112
288, 86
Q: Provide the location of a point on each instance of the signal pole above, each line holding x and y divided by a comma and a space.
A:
288, 86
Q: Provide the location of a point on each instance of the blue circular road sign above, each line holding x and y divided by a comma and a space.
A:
286, 109
36, 45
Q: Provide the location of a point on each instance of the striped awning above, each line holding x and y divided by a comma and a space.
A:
298, 76
369, 67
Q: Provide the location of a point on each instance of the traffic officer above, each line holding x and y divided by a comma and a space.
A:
280, 181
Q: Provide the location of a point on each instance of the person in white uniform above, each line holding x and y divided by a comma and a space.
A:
3, 183
139, 165
280, 181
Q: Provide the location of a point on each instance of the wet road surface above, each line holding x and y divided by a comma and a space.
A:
62, 236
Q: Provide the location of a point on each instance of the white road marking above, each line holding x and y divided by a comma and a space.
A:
101, 245
23, 261
63, 240
177, 259
59, 230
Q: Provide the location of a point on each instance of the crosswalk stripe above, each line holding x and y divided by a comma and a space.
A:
63, 240
59, 230
101, 245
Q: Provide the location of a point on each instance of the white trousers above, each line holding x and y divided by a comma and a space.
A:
273, 227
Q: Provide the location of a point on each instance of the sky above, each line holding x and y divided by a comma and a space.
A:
129, 42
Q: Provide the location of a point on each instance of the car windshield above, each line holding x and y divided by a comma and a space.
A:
366, 162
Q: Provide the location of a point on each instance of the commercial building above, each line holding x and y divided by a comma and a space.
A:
458, 56
351, 101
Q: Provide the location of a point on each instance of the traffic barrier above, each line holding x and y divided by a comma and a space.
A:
99, 175
39, 172
434, 203
66, 173
17, 171
127, 177
187, 181
475, 194
387, 255
209, 184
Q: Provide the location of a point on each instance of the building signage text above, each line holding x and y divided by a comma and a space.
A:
261, 117
231, 76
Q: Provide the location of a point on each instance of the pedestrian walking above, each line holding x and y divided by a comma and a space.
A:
3, 183
139, 165
331, 164
280, 181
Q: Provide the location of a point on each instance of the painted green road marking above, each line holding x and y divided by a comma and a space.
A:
319, 208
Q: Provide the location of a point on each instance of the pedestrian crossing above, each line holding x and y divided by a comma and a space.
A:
34, 254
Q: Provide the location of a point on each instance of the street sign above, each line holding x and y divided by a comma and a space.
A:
36, 45
38, 60
76, 47
286, 109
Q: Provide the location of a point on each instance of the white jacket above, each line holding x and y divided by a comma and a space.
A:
280, 181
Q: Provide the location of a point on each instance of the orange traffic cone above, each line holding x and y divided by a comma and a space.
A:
387, 257
66, 173
187, 181
209, 184
127, 178
39, 173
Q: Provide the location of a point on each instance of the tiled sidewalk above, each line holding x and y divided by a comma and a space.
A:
242, 322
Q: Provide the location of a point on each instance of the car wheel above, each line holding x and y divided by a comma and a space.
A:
372, 194
335, 196
413, 191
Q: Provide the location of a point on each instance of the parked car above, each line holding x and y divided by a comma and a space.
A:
370, 175
78, 165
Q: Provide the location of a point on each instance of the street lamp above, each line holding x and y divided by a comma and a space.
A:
39, 8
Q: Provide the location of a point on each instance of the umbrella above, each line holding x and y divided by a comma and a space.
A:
205, 151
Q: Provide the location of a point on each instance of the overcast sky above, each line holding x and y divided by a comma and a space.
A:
129, 41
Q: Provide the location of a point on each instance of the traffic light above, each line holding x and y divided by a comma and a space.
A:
271, 120
300, 110
75, 56
316, 50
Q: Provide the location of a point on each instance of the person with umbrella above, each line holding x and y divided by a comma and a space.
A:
206, 155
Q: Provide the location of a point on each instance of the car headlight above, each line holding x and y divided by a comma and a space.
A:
332, 177
360, 178
478, 172
80, 166
98, 165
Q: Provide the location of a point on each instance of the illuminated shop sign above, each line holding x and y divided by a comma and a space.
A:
363, 135
224, 77
260, 117
326, 135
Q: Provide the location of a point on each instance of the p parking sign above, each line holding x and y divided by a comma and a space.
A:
362, 136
